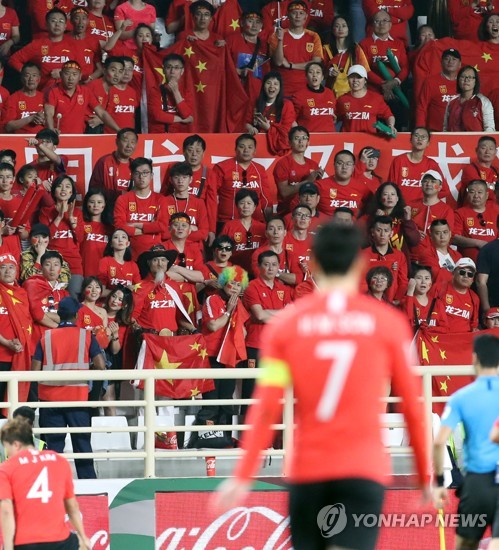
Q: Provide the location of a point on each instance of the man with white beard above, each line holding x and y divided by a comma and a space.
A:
158, 299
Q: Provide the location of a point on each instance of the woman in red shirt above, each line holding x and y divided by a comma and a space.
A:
65, 222
97, 228
272, 114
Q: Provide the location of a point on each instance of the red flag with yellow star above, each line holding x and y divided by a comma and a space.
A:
175, 352
219, 98
14, 299
447, 349
481, 55
226, 19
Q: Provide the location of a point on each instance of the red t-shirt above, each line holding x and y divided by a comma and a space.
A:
19, 105
376, 50
315, 109
475, 171
121, 105
162, 108
196, 210
244, 246
420, 315
159, 310
72, 108
112, 175
423, 215
150, 211
38, 482
432, 102
112, 273
8, 21
193, 255
287, 169
462, 309
230, 178
396, 262
102, 27
359, 114
339, 335
88, 319
333, 195
95, 238
480, 226
258, 292
302, 250
214, 307
400, 11
407, 175
288, 262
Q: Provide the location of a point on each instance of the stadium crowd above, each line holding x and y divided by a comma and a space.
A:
213, 251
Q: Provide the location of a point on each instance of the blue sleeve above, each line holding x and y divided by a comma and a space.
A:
94, 348
38, 355
452, 413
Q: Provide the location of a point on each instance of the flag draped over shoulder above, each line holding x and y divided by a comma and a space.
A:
233, 348
481, 55
447, 349
175, 352
220, 101
15, 300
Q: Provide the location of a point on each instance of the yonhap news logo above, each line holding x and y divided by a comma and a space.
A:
332, 519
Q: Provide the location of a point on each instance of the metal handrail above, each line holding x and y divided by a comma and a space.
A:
149, 403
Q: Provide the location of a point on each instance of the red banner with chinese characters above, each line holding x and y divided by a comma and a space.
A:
451, 151
184, 520
95, 514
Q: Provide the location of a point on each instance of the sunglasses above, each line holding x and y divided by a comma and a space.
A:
465, 273
225, 248
182, 260
249, 238
483, 223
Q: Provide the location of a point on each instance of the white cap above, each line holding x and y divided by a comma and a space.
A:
465, 262
357, 69
433, 174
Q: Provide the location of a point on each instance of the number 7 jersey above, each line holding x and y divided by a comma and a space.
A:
339, 352
37, 482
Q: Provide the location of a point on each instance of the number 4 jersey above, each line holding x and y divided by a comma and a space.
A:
37, 482
339, 353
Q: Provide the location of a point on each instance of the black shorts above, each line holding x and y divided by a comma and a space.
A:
321, 513
478, 506
71, 543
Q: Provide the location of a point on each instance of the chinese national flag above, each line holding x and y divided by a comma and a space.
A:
233, 348
174, 352
220, 101
481, 55
226, 19
447, 349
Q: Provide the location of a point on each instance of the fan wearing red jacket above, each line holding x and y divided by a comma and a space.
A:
361, 108
141, 212
400, 11
342, 188
237, 173
169, 106
339, 332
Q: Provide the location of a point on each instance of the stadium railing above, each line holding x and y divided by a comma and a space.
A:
149, 404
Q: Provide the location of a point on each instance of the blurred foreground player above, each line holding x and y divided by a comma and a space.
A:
328, 345
36, 492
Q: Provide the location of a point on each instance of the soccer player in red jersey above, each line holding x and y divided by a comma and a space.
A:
407, 170
342, 188
36, 492
481, 168
437, 91
291, 49
361, 108
238, 173
315, 105
112, 171
141, 212
475, 223
462, 304
339, 331
169, 106
24, 109
294, 170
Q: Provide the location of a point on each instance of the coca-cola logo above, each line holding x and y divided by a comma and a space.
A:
250, 527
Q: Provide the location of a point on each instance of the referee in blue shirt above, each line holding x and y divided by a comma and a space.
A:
477, 407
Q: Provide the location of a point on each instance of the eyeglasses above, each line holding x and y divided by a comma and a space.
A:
224, 248
182, 260
51, 303
483, 223
467, 77
244, 174
341, 163
381, 21
249, 239
303, 216
464, 273
142, 174
173, 67
422, 137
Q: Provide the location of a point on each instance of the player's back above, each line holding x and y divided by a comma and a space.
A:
38, 483
341, 352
